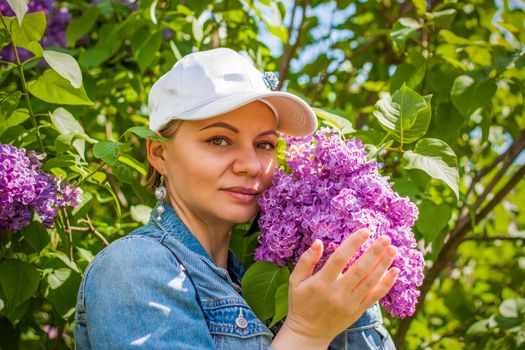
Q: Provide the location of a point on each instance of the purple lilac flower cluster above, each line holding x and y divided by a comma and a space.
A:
55, 34
25, 187
329, 192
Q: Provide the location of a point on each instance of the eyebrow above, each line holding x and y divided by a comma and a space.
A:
235, 130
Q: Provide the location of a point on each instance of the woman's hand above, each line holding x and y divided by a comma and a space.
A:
324, 304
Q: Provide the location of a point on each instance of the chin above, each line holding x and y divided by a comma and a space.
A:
240, 216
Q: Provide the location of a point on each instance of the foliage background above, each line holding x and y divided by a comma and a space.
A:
342, 57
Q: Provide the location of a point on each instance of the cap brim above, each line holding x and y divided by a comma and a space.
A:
294, 116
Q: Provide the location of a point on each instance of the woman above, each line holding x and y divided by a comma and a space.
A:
173, 283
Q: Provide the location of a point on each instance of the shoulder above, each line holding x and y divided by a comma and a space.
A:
130, 248
131, 259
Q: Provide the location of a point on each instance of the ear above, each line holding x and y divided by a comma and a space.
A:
156, 154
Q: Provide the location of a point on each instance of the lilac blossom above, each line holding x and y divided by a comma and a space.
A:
25, 188
327, 191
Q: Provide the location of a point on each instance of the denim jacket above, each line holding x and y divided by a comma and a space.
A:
136, 294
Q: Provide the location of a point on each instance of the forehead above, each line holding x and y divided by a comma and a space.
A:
255, 116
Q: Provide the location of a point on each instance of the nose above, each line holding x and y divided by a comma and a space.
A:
247, 162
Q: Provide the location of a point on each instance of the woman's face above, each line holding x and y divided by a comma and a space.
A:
217, 168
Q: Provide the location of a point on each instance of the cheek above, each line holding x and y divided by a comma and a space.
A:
268, 172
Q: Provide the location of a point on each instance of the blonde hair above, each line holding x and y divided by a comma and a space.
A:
152, 179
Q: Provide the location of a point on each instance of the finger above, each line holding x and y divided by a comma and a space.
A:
340, 257
306, 264
377, 271
381, 289
363, 266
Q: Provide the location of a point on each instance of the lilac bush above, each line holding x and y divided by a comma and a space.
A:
328, 192
55, 34
25, 188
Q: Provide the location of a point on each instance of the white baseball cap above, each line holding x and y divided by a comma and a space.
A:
206, 84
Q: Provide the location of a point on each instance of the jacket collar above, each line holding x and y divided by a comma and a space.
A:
173, 225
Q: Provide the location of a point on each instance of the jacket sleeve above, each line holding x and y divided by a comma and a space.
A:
367, 333
136, 295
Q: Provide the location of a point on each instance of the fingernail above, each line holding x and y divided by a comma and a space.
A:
385, 240
392, 251
365, 233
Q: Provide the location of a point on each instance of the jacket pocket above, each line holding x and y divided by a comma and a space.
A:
233, 317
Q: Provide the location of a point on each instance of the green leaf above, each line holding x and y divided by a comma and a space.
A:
451, 38
109, 151
36, 235
279, 31
35, 48
53, 88
281, 304
243, 246
398, 112
259, 285
145, 133
124, 173
85, 254
145, 46
407, 74
82, 25
146, 54
65, 65
469, 94
8, 103
62, 143
197, 30
509, 27
421, 6
405, 28
432, 218
67, 125
62, 161
343, 124
512, 308
479, 328
19, 281
152, 13
140, 213
443, 19
437, 159
31, 29
5, 37
61, 290
133, 163
19, 116
19, 7
84, 206
506, 323
420, 127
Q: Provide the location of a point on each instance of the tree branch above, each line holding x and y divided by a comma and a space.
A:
492, 238
446, 255
514, 150
118, 191
67, 229
361, 118
91, 229
290, 50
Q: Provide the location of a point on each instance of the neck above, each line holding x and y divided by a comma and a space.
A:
213, 236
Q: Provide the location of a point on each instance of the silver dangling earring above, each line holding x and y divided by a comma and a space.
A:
160, 194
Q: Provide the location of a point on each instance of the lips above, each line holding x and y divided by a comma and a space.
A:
242, 194
245, 190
